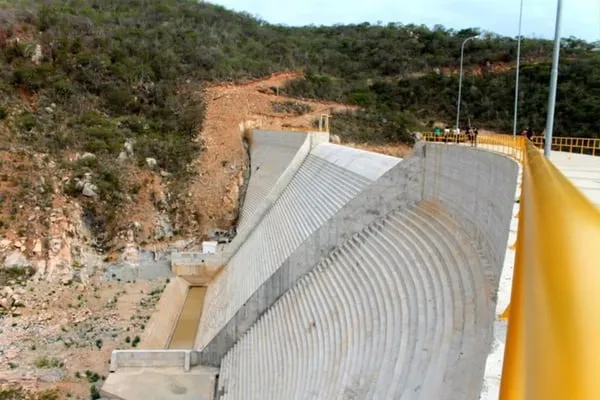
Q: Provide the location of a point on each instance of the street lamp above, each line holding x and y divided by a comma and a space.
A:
553, 80
462, 53
518, 67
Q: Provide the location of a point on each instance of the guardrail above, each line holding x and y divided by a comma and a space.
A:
553, 339
506, 144
571, 144
566, 144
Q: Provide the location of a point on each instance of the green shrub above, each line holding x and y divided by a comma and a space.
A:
89, 119
120, 101
48, 362
63, 89
91, 376
32, 77
172, 152
103, 139
3, 113
27, 121
94, 393
374, 126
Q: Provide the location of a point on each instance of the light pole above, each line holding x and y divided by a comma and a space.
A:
462, 53
553, 80
518, 67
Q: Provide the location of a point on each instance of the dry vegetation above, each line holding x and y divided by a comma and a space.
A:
58, 336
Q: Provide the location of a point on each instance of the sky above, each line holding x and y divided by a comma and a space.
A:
581, 18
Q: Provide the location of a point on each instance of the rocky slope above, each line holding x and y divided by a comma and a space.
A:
62, 309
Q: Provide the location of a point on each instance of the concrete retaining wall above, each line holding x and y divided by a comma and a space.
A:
274, 159
376, 200
153, 358
326, 181
198, 275
476, 188
160, 326
263, 190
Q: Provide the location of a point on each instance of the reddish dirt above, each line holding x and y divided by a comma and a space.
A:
212, 197
477, 70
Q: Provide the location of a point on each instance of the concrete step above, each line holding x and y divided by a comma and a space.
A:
396, 312
317, 191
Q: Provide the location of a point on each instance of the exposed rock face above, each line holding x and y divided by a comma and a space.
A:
37, 247
37, 55
128, 146
69, 254
88, 156
89, 190
5, 244
164, 227
151, 162
16, 259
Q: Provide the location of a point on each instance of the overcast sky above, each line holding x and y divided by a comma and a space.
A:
581, 18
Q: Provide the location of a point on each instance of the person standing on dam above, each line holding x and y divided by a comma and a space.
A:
529, 133
474, 137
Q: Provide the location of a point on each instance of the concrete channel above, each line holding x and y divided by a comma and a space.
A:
189, 318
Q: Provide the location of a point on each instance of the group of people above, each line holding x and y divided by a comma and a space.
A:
470, 133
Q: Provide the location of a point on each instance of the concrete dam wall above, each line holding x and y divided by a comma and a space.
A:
352, 275
404, 304
329, 177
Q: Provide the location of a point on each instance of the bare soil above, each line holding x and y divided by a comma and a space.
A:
61, 331
212, 197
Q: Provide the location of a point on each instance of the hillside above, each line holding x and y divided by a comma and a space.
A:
122, 128
104, 102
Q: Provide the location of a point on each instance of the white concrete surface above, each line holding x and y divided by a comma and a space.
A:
275, 159
477, 189
583, 170
316, 192
364, 163
183, 359
396, 312
209, 247
403, 305
161, 383
271, 153
159, 328
493, 369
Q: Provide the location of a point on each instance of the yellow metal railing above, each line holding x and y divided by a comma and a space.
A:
506, 144
571, 144
567, 144
553, 340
